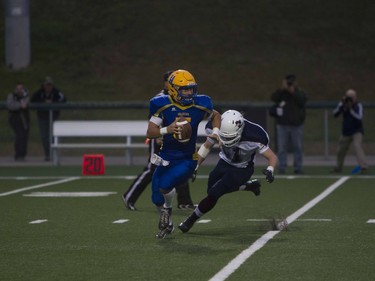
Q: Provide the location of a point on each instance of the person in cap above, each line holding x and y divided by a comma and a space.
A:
352, 131
47, 93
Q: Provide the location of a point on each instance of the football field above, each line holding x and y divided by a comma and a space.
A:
58, 225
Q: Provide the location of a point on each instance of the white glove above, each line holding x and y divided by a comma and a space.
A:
158, 161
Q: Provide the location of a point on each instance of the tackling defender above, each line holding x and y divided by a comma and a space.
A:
239, 140
176, 161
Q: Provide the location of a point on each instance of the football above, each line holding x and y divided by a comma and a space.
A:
185, 133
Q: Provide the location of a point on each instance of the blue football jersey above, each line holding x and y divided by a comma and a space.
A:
164, 111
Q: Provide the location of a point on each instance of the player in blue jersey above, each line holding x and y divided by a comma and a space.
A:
176, 161
239, 140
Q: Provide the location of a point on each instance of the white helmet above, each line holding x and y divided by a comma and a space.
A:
232, 124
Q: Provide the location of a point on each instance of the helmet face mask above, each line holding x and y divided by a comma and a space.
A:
182, 87
232, 125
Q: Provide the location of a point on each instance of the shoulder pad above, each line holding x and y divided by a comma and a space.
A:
203, 101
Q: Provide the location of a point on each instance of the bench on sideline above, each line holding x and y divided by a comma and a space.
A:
126, 131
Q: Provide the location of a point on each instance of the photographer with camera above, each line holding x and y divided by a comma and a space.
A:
352, 130
290, 112
19, 119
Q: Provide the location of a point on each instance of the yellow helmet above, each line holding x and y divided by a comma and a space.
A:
180, 81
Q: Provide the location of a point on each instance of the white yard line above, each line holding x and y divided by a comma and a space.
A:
203, 221
70, 194
234, 264
38, 186
121, 221
38, 221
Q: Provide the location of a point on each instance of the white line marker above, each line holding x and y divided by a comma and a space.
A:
37, 221
38, 186
69, 194
314, 220
203, 221
121, 221
371, 221
260, 220
234, 264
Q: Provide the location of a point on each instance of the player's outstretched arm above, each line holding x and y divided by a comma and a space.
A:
216, 123
272, 162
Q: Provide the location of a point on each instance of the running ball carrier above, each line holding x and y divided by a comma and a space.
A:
175, 118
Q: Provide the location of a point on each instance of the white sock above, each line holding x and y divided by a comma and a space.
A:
168, 197
198, 212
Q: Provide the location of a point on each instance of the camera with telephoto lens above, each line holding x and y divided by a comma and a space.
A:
290, 79
348, 100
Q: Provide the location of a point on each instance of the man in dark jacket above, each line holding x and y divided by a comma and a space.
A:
352, 130
19, 120
48, 93
290, 113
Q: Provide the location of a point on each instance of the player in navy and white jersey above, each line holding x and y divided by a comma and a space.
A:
240, 141
176, 161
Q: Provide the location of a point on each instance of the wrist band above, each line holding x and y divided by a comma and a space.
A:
270, 168
203, 151
164, 131
215, 131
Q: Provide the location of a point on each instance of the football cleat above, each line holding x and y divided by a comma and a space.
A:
165, 214
253, 186
187, 224
164, 232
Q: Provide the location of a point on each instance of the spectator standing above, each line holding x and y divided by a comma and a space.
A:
19, 119
290, 113
137, 187
47, 93
352, 130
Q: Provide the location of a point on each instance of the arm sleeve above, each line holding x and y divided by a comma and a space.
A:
338, 110
357, 111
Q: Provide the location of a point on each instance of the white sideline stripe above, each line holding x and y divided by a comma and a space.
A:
38, 186
234, 264
69, 194
64, 177
37, 221
121, 221
371, 221
203, 221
